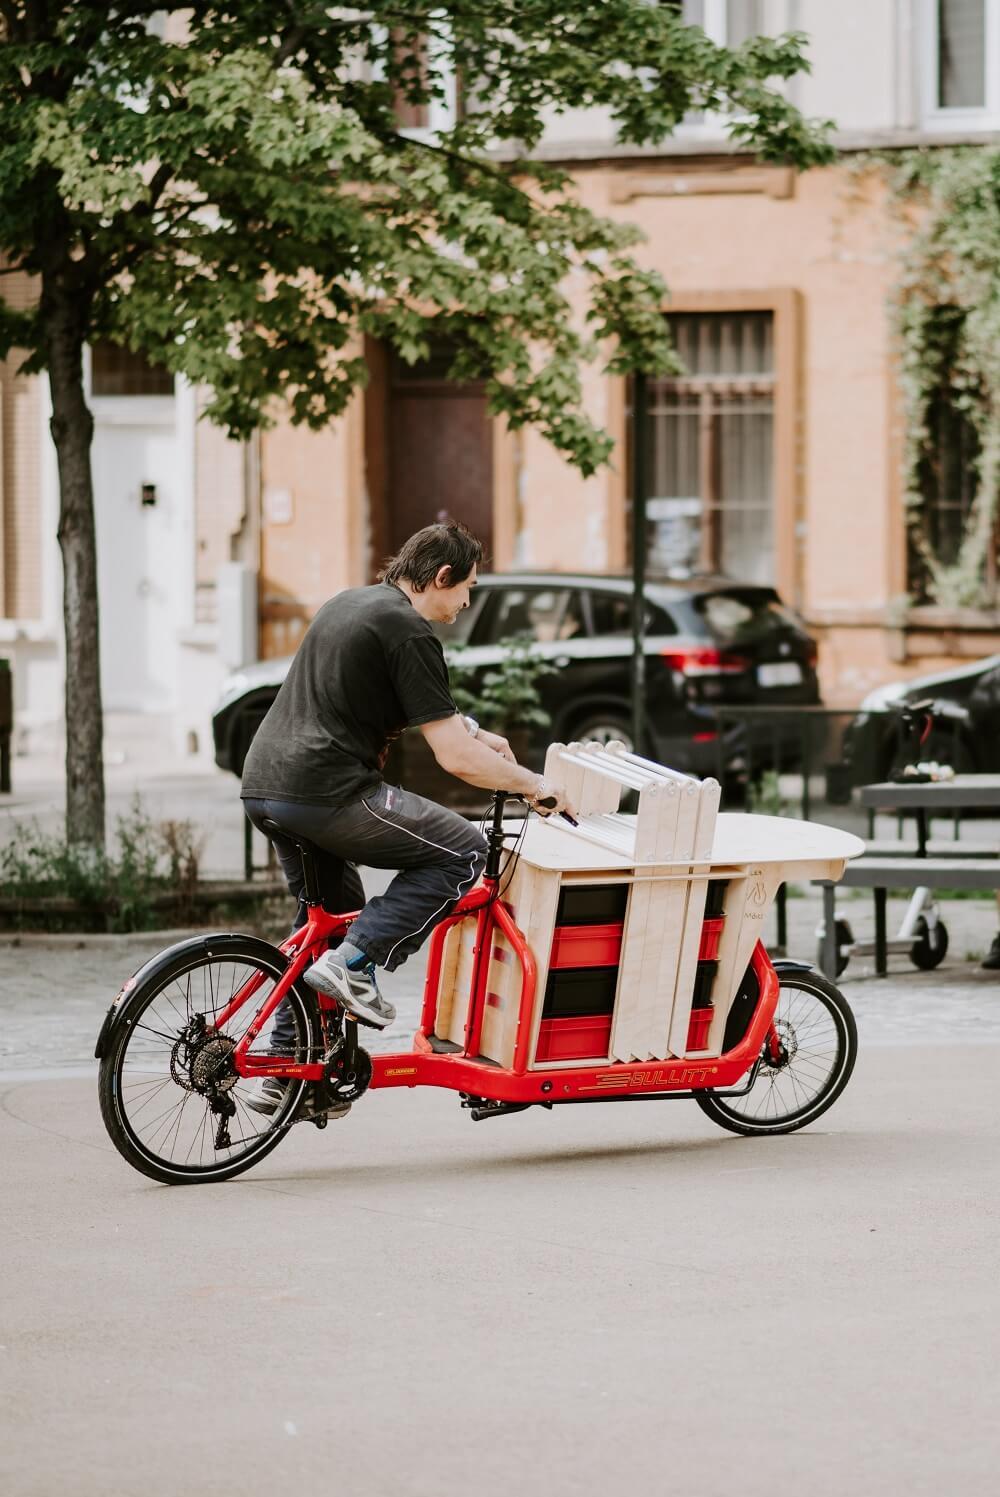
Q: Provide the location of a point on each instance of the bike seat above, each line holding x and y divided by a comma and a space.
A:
267, 825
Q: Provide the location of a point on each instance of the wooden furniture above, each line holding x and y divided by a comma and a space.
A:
642, 924
944, 797
928, 866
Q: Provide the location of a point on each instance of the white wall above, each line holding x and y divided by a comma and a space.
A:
870, 64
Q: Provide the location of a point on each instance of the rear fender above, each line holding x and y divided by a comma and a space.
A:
133, 992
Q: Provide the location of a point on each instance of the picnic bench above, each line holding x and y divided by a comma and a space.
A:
881, 868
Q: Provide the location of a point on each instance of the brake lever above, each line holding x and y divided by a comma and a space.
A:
550, 801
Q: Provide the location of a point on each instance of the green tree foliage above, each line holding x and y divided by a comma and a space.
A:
947, 311
505, 696
233, 195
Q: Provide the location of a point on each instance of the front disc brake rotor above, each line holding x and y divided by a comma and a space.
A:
788, 1040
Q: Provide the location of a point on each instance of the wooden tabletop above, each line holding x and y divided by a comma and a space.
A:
939, 795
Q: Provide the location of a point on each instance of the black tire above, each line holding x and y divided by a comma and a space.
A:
929, 950
602, 727
844, 937
196, 983
814, 1077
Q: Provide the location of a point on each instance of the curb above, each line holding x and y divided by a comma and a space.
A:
75, 940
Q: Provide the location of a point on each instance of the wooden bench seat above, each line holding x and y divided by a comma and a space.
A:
935, 849
913, 873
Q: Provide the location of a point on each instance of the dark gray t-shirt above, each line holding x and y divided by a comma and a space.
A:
368, 666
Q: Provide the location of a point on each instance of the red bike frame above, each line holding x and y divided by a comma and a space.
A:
462, 1071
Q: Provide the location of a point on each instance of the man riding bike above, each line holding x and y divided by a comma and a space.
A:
369, 666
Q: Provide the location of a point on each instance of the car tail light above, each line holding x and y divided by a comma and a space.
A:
812, 655
705, 661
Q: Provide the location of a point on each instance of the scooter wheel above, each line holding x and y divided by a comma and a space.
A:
845, 940
931, 945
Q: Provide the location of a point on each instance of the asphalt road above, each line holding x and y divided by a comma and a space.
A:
609, 1299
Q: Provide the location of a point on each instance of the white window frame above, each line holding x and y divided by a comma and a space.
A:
712, 125
934, 116
442, 113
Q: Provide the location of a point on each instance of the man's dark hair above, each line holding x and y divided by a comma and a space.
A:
420, 558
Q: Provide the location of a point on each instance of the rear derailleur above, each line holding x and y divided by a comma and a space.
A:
201, 1061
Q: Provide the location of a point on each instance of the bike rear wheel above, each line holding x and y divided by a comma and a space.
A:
167, 1079
819, 1045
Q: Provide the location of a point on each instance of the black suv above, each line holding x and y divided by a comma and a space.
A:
710, 642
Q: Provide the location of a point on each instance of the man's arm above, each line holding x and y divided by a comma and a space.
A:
470, 759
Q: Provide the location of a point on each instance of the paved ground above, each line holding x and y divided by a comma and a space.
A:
617, 1299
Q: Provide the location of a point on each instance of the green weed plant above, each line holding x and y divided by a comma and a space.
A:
111, 890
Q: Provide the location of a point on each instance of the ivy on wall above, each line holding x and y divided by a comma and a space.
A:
947, 320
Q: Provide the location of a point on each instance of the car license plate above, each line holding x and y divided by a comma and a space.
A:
779, 673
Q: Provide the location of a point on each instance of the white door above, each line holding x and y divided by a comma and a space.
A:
139, 566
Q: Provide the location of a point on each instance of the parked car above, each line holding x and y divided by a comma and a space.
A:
710, 642
965, 727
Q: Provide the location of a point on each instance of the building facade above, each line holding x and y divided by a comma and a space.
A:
777, 454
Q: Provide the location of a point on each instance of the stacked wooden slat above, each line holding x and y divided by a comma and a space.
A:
668, 854
672, 833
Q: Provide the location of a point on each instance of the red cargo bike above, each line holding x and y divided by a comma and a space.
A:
187, 1036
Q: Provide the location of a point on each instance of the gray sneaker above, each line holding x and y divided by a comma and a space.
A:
270, 1094
357, 992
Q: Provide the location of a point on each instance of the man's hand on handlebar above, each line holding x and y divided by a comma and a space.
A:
551, 799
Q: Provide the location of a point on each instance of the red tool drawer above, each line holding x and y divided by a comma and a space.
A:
698, 1027
711, 932
586, 945
586, 1038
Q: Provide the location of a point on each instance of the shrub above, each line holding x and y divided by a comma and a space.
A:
113, 890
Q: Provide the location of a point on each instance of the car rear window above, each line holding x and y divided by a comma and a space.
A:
750, 613
611, 614
545, 614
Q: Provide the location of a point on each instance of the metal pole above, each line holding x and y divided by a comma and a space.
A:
640, 470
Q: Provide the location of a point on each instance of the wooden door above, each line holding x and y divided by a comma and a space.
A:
437, 461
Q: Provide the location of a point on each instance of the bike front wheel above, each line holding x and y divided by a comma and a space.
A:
167, 1082
818, 1047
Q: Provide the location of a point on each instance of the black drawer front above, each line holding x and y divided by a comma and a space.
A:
573, 992
703, 982
592, 904
716, 898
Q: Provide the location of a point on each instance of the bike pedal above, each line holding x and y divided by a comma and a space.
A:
367, 1023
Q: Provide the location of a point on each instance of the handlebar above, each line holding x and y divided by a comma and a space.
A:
501, 796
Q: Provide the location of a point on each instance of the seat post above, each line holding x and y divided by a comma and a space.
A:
310, 879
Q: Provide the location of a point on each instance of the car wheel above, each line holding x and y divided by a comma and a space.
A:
603, 728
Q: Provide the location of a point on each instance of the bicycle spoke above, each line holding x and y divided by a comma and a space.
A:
175, 1081
809, 1035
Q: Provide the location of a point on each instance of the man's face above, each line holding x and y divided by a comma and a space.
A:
448, 601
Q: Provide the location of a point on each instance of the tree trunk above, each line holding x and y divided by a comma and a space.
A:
72, 428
